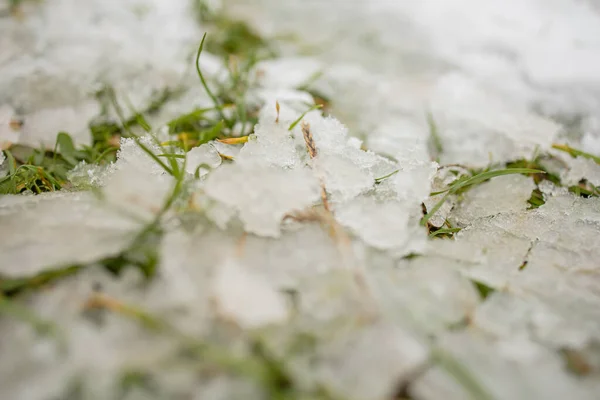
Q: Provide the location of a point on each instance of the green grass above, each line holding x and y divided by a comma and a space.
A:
434, 138
231, 37
41, 170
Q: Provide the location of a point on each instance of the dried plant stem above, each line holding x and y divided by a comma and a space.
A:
336, 230
312, 152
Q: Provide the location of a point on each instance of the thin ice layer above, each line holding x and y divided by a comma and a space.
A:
503, 194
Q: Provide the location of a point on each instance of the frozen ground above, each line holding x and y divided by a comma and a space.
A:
309, 260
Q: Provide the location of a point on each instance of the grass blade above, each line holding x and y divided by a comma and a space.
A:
484, 176
218, 105
574, 152
435, 209
153, 156
442, 231
382, 178
296, 122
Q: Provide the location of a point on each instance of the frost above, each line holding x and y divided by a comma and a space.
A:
85, 175
246, 298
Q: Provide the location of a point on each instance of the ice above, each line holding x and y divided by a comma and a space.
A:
45, 231
426, 293
502, 194
200, 157
412, 182
271, 144
501, 72
581, 168
500, 369
245, 298
343, 179
136, 193
88, 175
371, 363
132, 156
386, 225
262, 195
116, 43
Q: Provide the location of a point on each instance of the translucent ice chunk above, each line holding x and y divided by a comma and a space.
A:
512, 368
342, 177
246, 298
271, 144
371, 363
582, 168
262, 195
57, 230
204, 154
503, 194
385, 225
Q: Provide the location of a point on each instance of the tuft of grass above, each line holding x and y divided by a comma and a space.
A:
231, 37
41, 170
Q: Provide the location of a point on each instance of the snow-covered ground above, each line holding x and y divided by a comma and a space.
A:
258, 278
